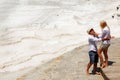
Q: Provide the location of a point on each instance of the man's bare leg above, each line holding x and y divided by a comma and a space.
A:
88, 67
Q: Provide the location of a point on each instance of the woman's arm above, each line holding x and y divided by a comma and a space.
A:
112, 37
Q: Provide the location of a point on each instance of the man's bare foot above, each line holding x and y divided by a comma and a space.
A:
98, 73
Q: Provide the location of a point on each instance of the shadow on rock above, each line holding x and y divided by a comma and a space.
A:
110, 63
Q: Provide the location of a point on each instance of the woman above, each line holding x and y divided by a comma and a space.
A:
105, 44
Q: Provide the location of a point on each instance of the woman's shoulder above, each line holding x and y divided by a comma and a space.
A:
106, 29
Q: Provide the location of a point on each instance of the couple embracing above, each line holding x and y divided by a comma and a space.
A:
94, 53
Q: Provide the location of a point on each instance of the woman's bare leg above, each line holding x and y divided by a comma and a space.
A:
100, 56
106, 56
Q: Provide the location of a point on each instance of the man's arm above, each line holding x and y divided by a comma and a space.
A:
105, 39
96, 39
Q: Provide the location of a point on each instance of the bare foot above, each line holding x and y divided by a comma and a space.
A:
87, 73
103, 65
98, 73
106, 64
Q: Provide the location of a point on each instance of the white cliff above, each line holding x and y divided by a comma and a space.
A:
34, 31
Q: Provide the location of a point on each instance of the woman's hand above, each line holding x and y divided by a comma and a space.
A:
112, 37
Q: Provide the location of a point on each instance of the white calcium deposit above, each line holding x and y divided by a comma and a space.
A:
33, 32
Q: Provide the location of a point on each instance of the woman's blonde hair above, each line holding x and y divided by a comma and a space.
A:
103, 24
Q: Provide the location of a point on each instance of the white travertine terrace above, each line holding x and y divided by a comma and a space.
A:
33, 32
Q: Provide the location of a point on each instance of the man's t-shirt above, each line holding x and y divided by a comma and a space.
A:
92, 42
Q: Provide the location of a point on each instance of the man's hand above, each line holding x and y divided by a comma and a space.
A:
96, 34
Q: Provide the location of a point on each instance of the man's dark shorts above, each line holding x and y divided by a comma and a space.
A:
93, 57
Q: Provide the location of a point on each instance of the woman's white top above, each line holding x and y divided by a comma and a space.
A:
105, 34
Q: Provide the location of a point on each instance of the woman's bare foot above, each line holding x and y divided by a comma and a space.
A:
103, 65
106, 64
87, 72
